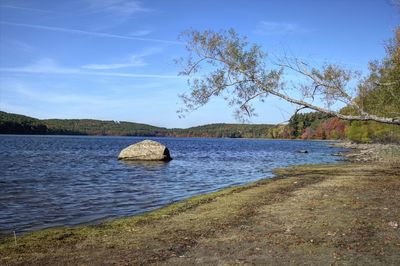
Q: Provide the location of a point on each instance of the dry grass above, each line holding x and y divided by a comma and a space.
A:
344, 219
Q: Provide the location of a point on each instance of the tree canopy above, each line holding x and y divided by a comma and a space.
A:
225, 64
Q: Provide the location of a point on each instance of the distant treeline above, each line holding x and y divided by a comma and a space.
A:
20, 124
314, 125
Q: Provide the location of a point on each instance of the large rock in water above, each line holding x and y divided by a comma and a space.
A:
146, 150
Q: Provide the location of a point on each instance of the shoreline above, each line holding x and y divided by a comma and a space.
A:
268, 175
180, 228
361, 152
162, 137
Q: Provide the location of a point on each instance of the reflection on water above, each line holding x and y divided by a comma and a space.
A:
66, 180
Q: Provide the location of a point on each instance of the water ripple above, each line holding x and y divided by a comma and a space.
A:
50, 181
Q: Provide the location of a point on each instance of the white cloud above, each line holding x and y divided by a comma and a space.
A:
278, 28
89, 33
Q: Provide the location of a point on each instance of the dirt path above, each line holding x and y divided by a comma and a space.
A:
314, 215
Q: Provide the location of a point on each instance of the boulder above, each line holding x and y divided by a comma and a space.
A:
146, 150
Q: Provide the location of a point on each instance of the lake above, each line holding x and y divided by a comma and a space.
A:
48, 181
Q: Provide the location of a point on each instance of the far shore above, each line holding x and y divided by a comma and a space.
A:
345, 213
166, 137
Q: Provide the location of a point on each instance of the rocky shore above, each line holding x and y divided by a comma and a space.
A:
369, 152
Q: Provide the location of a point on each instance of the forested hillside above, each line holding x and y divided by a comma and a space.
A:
99, 127
19, 124
225, 131
313, 125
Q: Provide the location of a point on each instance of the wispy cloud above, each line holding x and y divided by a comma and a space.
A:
21, 46
140, 33
279, 28
67, 101
49, 67
89, 33
58, 100
57, 97
116, 12
27, 9
118, 7
134, 61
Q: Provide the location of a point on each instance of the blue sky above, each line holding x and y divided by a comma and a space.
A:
113, 59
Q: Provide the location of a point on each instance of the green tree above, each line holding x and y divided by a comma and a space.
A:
379, 93
225, 64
